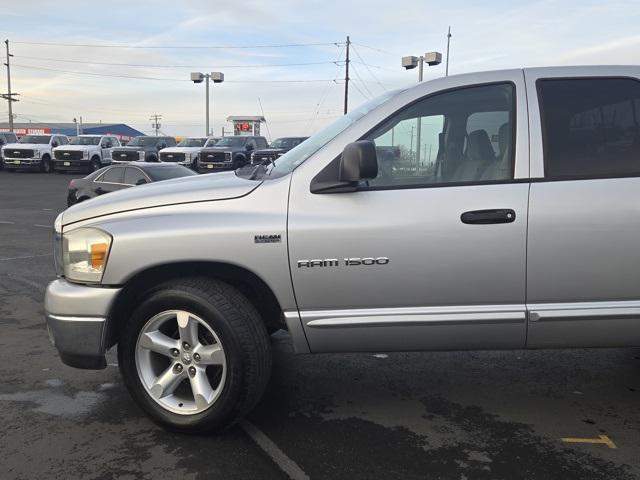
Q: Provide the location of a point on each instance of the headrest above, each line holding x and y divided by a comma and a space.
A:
479, 148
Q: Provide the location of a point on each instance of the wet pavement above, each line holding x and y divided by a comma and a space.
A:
440, 415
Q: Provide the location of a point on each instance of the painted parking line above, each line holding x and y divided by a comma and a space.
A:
600, 439
43, 226
287, 465
25, 257
5, 222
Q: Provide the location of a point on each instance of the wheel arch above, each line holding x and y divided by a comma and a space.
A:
251, 285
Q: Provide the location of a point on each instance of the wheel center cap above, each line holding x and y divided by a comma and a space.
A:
186, 358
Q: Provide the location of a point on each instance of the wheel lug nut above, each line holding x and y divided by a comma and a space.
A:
192, 371
196, 357
186, 346
175, 352
178, 368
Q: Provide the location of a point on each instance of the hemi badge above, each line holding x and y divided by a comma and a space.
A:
267, 238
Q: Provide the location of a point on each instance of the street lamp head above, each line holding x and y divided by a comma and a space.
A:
433, 58
217, 77
197, 77
409, 62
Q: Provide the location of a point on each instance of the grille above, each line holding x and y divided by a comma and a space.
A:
125, 156
68, 155
18, 153
215, 157
172, 157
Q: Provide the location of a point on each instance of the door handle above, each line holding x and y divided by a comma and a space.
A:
483, 217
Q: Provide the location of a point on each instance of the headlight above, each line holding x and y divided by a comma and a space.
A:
141, 155
85, 154
85, 252
36, 153
57, 246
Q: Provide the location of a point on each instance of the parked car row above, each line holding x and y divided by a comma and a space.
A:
48, 153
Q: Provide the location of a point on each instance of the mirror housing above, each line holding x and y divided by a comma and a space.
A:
249, 147
141, 181
359, 161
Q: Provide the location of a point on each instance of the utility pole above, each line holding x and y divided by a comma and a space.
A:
9, 96
346, 78
156, 122
446, 71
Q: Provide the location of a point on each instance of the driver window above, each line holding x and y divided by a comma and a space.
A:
455, 137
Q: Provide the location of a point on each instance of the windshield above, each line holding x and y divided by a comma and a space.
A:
85, 141
37, 139
231, 142
143, 142
212, 141
192, 142
290, 160
286, 142
165, 173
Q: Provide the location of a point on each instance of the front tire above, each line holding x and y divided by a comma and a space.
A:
45, 165
195, 355
95, 164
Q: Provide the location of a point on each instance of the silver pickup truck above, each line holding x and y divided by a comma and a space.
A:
512, 223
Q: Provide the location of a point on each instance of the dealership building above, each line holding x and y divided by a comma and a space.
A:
123, 132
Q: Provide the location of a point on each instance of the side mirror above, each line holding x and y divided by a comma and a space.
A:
141, 181
107, 145
54, 144
359, 161
249, 147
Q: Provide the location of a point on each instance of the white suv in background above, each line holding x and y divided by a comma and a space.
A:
33, 152
85, 152
187, 151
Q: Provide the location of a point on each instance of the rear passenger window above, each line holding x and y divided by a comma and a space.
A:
591, 127
133, 175
113, 175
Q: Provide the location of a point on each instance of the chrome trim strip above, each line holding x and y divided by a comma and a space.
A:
415, 316
61, 318
549, 312
294, 325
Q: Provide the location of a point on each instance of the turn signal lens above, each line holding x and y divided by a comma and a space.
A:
98, 254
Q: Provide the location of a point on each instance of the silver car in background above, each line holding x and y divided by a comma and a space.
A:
514, 224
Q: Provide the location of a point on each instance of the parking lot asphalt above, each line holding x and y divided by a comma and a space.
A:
440, 415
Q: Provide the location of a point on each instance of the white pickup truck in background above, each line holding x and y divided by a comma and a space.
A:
85, 152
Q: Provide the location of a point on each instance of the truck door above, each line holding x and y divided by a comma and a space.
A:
431, 253
583, 275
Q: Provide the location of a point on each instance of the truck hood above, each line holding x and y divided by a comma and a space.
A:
76, 148
209, 187
132, 149
181, 149
28, 146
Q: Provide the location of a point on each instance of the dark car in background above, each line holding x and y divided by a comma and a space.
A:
142, 149
230, 153
277, 148
118, 177
5, 139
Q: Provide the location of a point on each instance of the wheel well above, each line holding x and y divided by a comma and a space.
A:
252, 286
46, 155
96, 157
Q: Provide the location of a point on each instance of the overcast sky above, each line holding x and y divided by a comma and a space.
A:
486, 35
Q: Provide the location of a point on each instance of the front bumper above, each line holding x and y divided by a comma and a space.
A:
21, 162
71, 164
214, 166
76, 318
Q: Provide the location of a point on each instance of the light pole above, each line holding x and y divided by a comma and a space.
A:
215, 77
409, 63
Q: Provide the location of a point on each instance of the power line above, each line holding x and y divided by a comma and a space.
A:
91, 62
136, 77
363, 84
98, 45
369, 70
386, 52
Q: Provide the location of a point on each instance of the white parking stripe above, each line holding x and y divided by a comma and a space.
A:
43, 226
287, 465
25, 257
4, 222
